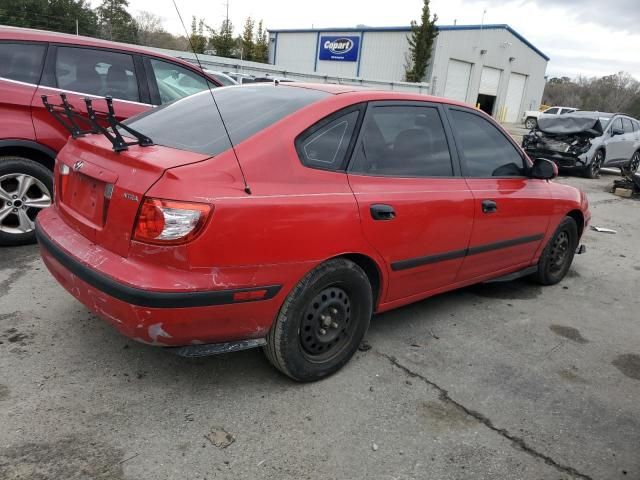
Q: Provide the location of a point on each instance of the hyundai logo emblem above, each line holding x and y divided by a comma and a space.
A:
78, 165
339, 46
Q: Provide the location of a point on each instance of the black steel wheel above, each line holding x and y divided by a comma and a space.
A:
321, 322
558, 254
593, 169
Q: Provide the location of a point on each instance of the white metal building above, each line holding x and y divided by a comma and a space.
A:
487, 65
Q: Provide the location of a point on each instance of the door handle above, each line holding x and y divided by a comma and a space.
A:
489, 206
380, 211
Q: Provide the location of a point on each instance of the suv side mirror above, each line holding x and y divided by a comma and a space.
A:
544, 169
616, 131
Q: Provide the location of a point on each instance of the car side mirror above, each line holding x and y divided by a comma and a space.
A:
544, 169
616, 131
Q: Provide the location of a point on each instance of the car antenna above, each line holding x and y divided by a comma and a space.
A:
244, 179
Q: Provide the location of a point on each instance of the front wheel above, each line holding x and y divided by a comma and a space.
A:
593, 169
634, 163
26, 187
321, 322
557, 256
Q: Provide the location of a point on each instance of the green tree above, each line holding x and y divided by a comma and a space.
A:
115, 22
421, 41
56, 15
261, 47
197, 39
247, 45
223, 41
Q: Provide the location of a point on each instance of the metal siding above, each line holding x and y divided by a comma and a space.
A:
295, 51
515, 92
457, 83
383, 55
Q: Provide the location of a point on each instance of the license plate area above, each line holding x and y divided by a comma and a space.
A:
85, 196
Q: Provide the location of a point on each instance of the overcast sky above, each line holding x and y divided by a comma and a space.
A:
582, 37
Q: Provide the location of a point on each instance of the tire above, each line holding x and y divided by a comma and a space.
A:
593, 169
334, 298
531, 123
557, 256
634, 163
17, 214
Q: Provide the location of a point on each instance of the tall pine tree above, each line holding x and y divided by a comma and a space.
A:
222, 41
261, 48
421, 42
247, 45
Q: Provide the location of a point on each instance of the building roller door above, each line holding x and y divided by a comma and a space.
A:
457, 84
515, 92
489, 81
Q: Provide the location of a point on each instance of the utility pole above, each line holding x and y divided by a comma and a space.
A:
77, 32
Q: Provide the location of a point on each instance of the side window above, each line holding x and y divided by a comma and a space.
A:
403, 141
96, 72
617, 125
552, 111
628, 128
325, 145
175, 82
21, 61
486, 151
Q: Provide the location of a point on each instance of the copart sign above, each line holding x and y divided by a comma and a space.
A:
339, 48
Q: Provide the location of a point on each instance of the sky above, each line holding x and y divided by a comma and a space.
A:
582, 37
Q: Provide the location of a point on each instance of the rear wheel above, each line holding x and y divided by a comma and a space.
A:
26, 187
531, 123
557, 256
593, 169
321, 322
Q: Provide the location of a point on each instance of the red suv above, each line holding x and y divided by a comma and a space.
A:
284, 215
35, 63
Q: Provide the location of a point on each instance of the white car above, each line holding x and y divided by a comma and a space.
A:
530, 117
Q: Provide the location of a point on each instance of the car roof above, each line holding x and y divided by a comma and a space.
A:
29, 34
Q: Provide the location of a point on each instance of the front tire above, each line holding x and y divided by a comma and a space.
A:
634, 163
26, 187
321, 322
557, 256
593, 169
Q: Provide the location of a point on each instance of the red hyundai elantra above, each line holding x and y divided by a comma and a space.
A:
283, 216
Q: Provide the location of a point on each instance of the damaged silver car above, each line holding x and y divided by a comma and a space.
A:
586, 141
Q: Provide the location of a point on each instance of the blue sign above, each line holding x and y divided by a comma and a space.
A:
340, 49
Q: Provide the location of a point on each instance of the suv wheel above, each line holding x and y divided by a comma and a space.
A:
593, 169
25, 189
321, 322
531, 123
634, 163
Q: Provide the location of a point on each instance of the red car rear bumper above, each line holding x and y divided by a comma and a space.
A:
161, 314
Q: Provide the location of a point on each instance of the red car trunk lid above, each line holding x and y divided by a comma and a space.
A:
102, 192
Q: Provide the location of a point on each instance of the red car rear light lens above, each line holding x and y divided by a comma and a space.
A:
63, 180
165, 222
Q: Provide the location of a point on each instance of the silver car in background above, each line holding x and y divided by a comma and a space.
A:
586, 141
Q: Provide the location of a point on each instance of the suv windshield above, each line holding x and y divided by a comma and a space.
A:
194, 123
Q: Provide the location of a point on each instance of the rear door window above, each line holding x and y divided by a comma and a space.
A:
96, 72
484, 148
403, 141
21, 62
175, 82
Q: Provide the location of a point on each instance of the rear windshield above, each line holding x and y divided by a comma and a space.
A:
194, 124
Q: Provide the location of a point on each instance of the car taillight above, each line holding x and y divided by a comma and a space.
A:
63, 180
166, 222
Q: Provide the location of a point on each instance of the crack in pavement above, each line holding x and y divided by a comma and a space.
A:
516, 441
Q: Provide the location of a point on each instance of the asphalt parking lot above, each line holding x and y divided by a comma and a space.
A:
497, 381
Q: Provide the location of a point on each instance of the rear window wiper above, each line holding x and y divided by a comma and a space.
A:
73, 120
